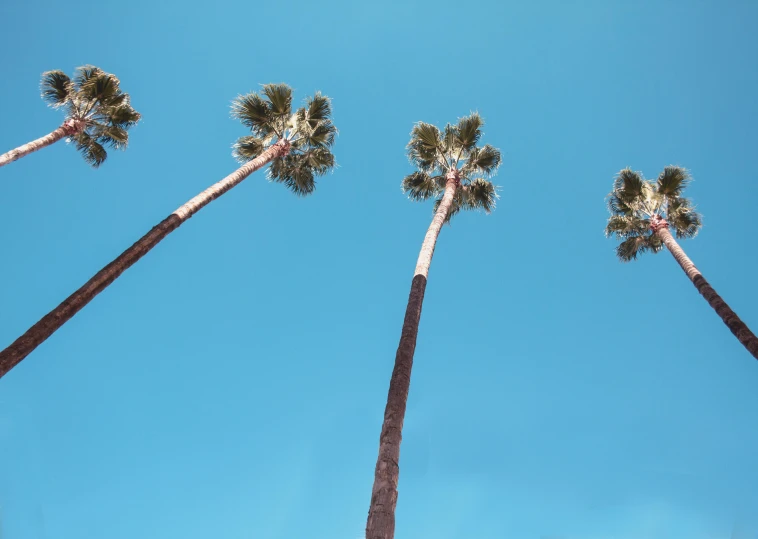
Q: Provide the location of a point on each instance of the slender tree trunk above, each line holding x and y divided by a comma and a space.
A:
732, 321
68, 128
43, 329
381, 515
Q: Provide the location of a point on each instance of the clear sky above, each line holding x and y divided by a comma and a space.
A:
232, 383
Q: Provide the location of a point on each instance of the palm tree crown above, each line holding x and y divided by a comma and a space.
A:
308, 135
98, 112
639, 206
454, 149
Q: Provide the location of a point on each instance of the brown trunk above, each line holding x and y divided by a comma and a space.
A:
69, 127
40, 331
732, 321
381, 515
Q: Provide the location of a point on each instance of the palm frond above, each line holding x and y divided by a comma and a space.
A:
56, 88
92, 152
682, 216
672, 181
84, 74
247, 148
480, 194
279, 97
628, 186
101, 87
423, 148
484, 160
110, 135
318, 107
421, 186
122, 115
632, 247
253, 111
468, 131
293, 173
625, 226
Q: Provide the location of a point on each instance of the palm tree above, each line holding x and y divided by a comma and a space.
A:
296, 144
642, 212
98, 114
452, 169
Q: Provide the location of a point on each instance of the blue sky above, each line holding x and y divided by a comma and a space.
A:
232, 383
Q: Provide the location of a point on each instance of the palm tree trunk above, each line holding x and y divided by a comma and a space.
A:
68, 128
732, 321
381, 515
36, 335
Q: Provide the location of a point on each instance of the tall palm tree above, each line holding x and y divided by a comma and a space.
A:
98, 114
642, 212
297, 145
453, 170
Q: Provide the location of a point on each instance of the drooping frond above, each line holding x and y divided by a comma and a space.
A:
85, 74
672, 181
480, 194
630, 248
683, 218
57, 88
425, 146
421, 186
484, 160
625, 226
292, 171
100, 87
110, 135
91, 150
122, 115
247, 148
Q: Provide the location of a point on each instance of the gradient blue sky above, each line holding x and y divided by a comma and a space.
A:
232, 383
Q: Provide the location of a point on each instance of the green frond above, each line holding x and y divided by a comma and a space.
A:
279, 97
625, 226
320, 135
293, 173
84, 74
628, 186
421, 186
123, 116
484, 160
247, 148
101, 87
672, 181
318, 108
112, 136
56, 88
630, 248
92, 152
423, 148
480, 194
318, 160
681, 215
468, 131
253, 111
449, 141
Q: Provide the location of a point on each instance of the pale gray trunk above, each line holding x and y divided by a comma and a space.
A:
8, 157
43, 329
740, 330
381, 515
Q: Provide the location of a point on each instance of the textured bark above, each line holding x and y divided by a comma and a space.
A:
381, 515
732, 321
36, 335
69, 127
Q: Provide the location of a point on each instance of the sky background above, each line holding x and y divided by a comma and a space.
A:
232, 383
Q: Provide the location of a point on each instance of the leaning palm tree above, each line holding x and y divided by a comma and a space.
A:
98, 114
453, 170
642, 212
297, 145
